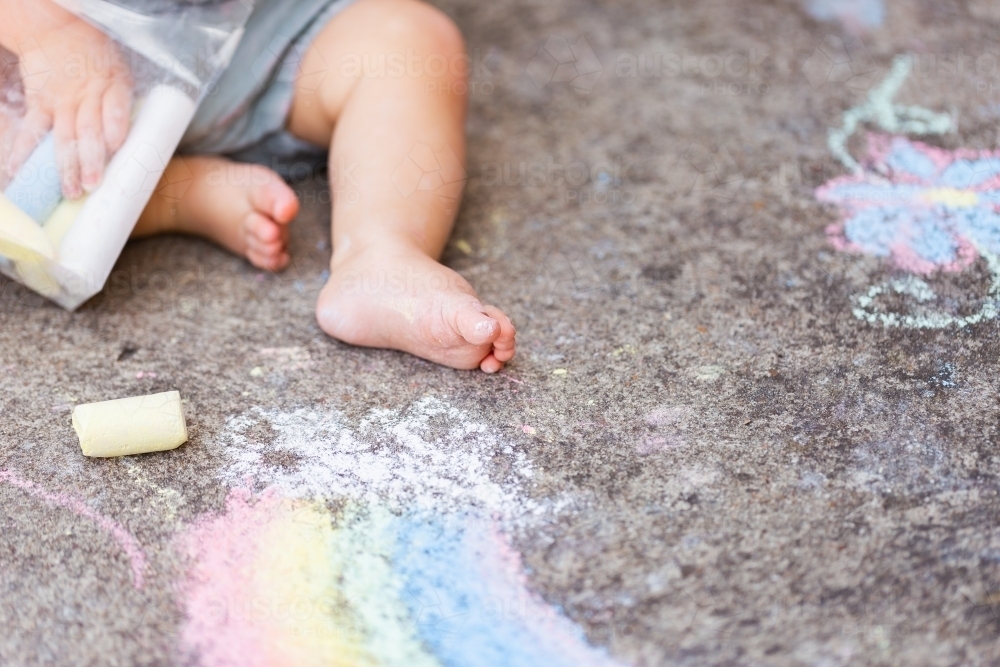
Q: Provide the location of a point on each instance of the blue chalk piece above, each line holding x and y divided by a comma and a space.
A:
36, 189
866, 13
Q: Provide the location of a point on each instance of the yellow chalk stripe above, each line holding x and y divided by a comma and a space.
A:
951, 197
295, 594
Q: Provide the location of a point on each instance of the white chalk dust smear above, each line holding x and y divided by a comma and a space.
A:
429, 456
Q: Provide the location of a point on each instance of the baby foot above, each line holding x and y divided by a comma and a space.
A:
404, 300
245, 208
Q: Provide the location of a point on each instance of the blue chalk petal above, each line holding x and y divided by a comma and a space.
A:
907, 159
981, 225
876, 230
970, 173
929, 239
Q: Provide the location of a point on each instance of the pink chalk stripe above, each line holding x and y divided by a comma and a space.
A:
76, 505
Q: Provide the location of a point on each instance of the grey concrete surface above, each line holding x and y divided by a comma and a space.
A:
757, 477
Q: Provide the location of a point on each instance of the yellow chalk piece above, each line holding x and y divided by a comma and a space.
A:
20, 236
62, 219
127, 426
32, 272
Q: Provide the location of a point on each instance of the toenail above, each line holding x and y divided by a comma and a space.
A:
487, 326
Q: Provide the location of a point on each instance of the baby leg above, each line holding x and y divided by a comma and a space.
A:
245, 208
391, 106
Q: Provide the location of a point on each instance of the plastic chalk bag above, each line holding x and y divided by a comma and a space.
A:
166, 54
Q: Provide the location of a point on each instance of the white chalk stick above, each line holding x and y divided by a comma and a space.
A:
127, 426
94, 241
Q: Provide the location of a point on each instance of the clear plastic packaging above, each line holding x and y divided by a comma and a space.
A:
174, 49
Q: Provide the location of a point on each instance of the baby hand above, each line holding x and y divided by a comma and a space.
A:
78, 85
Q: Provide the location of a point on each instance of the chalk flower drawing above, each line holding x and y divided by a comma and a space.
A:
925, 208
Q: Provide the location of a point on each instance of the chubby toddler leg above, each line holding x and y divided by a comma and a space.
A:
245, 208
384, 86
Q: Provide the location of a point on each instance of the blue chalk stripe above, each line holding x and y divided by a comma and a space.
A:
455, 612
36, 189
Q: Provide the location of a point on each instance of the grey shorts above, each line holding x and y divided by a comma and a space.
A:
244, 115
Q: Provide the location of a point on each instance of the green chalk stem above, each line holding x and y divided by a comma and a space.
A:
879, 110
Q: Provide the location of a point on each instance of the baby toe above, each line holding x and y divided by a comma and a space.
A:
474, 325
490, 364
276, 200
263, 229
268, 261
506, 342
269, 248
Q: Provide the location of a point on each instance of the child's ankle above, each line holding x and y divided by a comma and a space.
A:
386, 244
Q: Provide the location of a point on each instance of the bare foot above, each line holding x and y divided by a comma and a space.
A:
245, 208
404, 300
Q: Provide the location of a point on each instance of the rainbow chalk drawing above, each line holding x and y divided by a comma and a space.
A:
381, 544
924, 208
285, 582
128, 544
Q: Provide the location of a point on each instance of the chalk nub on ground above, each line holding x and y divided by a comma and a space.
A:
127, 426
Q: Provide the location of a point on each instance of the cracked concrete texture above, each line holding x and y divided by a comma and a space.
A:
753, 475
